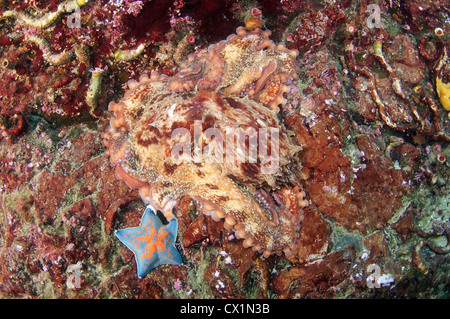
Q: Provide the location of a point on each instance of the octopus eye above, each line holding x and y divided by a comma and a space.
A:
204, 84
189, 71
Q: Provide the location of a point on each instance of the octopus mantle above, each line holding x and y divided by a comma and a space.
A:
238, 83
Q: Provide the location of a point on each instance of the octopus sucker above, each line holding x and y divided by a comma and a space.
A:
240, 31
266, 43
218, 215
144, 78
229, 222
132, 84
230, 38
256, 247
169, 138
146, 194
248, 242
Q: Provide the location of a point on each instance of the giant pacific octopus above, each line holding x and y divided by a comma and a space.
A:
240, 82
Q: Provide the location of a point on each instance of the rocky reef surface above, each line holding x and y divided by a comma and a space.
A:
369, 108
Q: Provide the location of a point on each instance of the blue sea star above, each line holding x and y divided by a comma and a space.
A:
152, 243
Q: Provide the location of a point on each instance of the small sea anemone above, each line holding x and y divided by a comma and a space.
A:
4, 63
253, 19
441, 158
439, 32
351, 28
191, 39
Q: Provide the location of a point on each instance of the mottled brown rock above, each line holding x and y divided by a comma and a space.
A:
203, 228
196, 232
378, 188
221, 283
405, 225
327, 170
243, 260
377, 246
127, 285
82, 213
406, 59
313, 243
51, 191
407, 154
99, 176
313, 280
